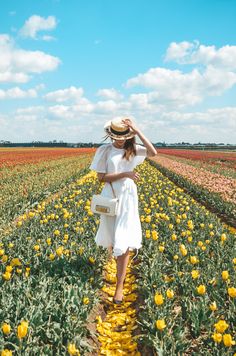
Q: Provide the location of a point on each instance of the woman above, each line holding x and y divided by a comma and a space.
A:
114, 162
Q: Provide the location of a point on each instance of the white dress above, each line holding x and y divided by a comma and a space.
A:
123, 230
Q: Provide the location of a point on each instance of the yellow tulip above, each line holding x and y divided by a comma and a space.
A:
223, 237
213, 306
6, 352
173, 237
7, 276
15, 262
227, 340
232, 292
59, 251
170, 293
160, 324
148, 219
193, 260
72, 349
85, 300
4, 258
6, 328
225, 275
217, 337
221, 326
81, 250
183, 250
158, 299
201, 289
195, 274
22, 329
190, 224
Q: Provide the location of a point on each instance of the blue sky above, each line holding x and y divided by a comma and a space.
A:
68, 67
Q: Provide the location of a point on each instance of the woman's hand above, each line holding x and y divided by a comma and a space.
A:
132, 175
131, 125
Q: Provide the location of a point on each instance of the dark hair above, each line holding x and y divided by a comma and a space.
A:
129, 147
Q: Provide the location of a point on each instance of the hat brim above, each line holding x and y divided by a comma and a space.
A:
118, 137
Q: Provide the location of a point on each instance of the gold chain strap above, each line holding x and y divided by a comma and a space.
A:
110, 184
107, 182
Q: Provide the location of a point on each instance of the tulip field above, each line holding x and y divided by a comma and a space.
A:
57, 285
210, 176
28, 177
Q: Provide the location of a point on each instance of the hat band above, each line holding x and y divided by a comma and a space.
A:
118, 132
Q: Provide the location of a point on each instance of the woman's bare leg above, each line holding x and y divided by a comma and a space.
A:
109, 253
121, 264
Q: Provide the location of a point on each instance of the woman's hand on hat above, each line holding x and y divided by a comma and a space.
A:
131, 125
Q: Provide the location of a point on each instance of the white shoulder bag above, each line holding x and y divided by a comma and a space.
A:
104, 205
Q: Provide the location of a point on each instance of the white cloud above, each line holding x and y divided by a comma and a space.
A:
37, 23
142, 102
175, 51
194, 53
62, 95
171, 87
70, 124
110, 94
17, 93
106, 106
10, 77
161, 107
17, 65
47, 38
220, 117
71, 111
31, 110
175, 88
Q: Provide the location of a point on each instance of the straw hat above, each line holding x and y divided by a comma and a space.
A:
116, 129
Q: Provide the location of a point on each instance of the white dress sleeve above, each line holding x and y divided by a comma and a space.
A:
99, 162
141, 154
